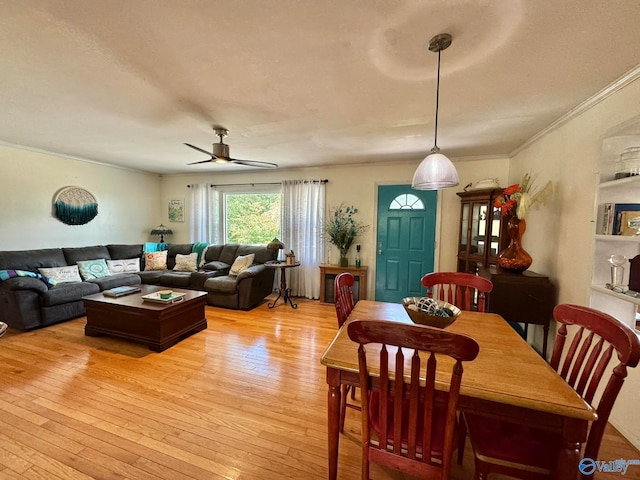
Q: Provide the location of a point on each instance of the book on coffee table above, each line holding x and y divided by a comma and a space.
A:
121, 291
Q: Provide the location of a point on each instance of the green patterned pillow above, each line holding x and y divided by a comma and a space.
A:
90, 269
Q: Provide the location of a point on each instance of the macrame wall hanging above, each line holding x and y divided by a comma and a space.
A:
75, 206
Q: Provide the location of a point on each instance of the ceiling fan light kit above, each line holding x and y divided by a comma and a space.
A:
220, 153
436, 171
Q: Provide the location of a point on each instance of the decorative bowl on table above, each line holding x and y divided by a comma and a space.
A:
430, 312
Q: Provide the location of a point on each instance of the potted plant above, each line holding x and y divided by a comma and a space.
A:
341, 229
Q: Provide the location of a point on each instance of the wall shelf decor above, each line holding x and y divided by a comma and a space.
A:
75, 206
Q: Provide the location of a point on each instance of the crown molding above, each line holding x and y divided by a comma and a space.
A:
629, 77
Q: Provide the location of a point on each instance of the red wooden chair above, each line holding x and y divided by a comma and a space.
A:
414, 425
464, 290
344, 305
530, 453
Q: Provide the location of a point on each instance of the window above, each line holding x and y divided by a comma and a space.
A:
251, 218
406, 201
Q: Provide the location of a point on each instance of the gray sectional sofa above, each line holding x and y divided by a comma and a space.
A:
28, 302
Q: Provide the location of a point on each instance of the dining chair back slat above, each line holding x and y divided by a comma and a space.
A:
406, 423
464, 290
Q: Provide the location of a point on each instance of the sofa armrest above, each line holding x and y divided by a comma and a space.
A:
24, 283
250, 272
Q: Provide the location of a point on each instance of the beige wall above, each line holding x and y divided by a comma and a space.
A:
559, 236
127, 202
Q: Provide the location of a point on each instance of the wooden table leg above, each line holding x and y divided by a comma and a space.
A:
567, 465
333, 420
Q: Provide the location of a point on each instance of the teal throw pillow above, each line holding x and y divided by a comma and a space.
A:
90, 269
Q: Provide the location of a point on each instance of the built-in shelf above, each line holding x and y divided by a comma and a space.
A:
618, 238
620, 182
620, 296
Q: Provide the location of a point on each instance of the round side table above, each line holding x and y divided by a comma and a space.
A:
283, 291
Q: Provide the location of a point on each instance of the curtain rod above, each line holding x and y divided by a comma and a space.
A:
259, 183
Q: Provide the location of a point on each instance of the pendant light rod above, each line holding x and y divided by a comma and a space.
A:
437, 44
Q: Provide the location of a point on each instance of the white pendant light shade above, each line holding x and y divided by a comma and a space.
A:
435, 172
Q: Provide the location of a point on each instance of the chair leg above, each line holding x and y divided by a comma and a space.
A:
353, 392
343, 405
462, 437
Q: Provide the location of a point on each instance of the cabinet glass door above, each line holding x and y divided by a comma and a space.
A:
479, 229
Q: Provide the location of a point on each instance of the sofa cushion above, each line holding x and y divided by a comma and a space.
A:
121, 252
224, 284
117, 280
32, 260
241, 263
212, 253
151, 277
228, 253
262, 253
68, 292
216, 266
128, 265
186, 263
66, 274
155, 260
90, 269
176, 279
75, 255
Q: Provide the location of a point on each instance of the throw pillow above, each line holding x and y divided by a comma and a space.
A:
130, 265
90, 269
62, 274
155, 260
241, 263
186, 263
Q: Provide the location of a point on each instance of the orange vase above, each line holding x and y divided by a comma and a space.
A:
514, 257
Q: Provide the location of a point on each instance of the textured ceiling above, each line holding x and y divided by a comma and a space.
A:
299, 82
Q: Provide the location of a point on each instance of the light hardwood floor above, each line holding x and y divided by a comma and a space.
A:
244, 399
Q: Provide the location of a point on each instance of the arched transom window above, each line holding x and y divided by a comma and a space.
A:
406, 201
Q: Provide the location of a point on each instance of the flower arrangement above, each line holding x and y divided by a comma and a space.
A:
341, 229
519, 198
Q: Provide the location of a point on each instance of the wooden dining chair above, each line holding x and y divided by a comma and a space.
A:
344, 304
464, 290
530, 453
406, 424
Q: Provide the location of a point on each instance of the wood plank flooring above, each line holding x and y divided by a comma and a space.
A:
244, 399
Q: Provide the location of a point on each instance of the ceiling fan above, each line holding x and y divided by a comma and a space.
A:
220, 153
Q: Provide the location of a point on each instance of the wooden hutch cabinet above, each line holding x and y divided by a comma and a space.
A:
482, 230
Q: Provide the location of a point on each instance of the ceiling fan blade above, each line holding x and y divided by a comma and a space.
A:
202, 161
200, 150
254, 163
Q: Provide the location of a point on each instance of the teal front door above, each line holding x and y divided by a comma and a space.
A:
405, 246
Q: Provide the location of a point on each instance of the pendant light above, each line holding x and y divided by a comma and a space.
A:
436, 171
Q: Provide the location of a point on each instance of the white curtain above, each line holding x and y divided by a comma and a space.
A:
302, 220
205, 214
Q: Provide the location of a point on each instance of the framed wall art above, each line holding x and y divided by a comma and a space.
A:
176, 210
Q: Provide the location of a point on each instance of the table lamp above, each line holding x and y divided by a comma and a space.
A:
276, 244
162, 231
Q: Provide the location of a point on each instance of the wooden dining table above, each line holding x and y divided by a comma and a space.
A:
508, 380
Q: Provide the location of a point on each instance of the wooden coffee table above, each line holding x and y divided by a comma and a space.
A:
156, 325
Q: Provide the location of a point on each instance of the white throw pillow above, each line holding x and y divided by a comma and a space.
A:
62, 274
241, 264
129, 265
186, 263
